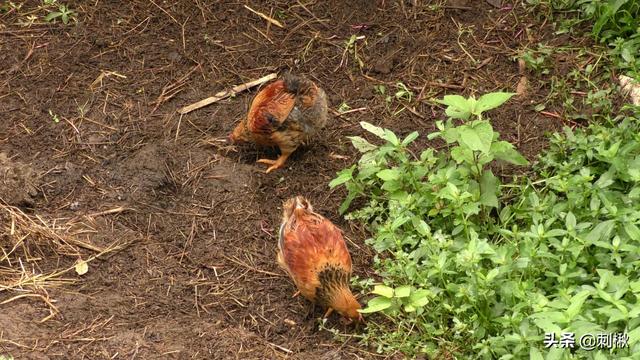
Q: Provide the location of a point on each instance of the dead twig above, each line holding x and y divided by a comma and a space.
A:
269, 19
225, 94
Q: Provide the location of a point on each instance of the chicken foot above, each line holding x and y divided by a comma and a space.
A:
275, 164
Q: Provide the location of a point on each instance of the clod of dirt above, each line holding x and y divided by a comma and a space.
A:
174, 56
17, 182
229, 176
146, 169
383, 66
458, 4
367, 93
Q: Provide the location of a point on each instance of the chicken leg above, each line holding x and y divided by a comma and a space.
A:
329, 311
275, 164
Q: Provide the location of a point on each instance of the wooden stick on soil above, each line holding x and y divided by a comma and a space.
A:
269, 19
225, 94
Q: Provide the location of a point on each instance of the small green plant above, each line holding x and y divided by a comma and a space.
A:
10, 5
65, 14
6, 357
351, 47
54, 117
392, 300
402, 94
344, 107
537, 60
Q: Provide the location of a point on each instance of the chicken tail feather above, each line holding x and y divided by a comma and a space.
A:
297, 85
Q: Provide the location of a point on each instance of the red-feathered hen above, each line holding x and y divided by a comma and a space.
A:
284, 113
313, 252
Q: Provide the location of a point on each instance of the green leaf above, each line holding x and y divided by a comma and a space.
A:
462, 154
489, 189
576, 303
391, 137
383, 290
375, 130
535, 354
376, 304
601, 232
634, 169
555, 233
419, 298
52, 16
634, 336
402, 291
407, 308
450, 135
343, 176
546, 321
457, 106
505, 151
570, 221
389, 174
477, 137
492, 274
361, 144
491, 101
347, 202
633, 231
605, 180
555, 353
410, 138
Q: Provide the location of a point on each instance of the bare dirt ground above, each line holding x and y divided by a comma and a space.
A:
96, 161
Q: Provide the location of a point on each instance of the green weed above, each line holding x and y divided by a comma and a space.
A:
477, 268
537, 60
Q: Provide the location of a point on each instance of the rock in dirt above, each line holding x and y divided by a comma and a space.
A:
18, 182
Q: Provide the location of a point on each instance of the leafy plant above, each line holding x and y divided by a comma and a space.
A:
402, 94
497, 266
54, 116
65, 14
343, 107
392, 300
536, 60
351, 47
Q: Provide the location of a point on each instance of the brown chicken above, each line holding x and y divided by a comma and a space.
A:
313, 252
284, 113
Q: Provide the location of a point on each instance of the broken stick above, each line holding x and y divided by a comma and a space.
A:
269, 19
225, 94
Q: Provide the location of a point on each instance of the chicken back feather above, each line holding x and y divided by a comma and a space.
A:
285, 113
313, 252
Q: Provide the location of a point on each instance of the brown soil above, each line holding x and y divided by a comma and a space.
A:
191, 271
